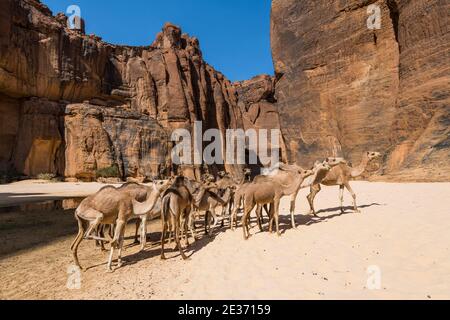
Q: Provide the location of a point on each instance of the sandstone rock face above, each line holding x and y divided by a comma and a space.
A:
72, 104
99, 137
257, 105
344, 89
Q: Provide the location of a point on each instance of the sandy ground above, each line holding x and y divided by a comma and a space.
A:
402, 233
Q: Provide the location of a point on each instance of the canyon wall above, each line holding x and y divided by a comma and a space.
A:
72, 104
343, 88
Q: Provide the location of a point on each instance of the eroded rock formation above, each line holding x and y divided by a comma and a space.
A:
344, 89
72, 104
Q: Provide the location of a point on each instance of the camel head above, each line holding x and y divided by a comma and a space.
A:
333, 161
163, 185
373, 155
305, 173
153, 194
222, 174
208, 178
319, 166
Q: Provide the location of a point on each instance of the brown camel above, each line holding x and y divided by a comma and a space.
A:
226, 184
106, 207
270, 191
176, 207
341, 176
320, 169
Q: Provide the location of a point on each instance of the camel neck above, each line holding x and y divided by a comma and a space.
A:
294, 186
359, 170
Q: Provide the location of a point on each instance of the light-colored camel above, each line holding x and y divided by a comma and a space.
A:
341, 176
176, 207
270, 191
106, 207
140, 193
319, 173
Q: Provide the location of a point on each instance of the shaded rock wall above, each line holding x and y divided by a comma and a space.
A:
344, 89
76, 104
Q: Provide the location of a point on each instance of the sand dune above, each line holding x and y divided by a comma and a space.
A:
403, 232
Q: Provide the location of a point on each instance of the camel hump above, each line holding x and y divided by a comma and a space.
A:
129, 184
106, 188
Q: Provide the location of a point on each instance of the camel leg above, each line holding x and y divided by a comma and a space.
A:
186, 225
143, 232
77, 241
206, 221
341, 197
136, 237
260, 218
277, 214
115, 243
233, 221
315, 189
93, 227
245, 220
119, 258
163, 237
216, 221
111, 230
177, 234
170, 227
293, 199
272, 217
192, 225
101, 235
224, 210
98, 233
347, 185
111, 254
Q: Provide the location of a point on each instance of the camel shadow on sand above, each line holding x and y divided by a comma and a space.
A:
308, 220
153, 248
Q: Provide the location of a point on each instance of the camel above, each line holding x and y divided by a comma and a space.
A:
140, 193
340, 176
106, 207
284, 172
210, 202
319, 174
206, 199
270, 191
176, 207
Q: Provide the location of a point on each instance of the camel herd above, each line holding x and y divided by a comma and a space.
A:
180, 201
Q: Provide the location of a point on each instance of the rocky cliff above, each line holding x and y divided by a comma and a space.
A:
71, 104
344, 88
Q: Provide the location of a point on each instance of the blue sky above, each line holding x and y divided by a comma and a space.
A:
234, 34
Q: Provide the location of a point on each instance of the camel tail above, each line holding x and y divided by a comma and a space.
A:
165, 207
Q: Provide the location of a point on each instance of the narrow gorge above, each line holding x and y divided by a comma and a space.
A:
71, 104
